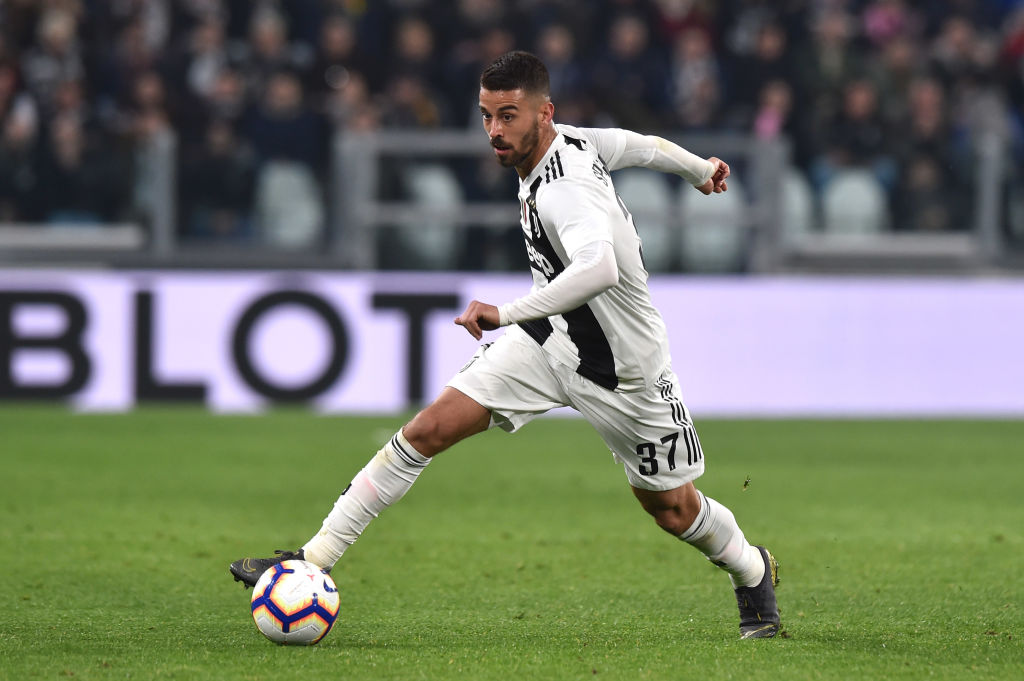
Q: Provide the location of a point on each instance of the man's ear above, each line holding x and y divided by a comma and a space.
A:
547, 112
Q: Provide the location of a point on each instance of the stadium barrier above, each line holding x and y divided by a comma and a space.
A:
373, 343
769, 221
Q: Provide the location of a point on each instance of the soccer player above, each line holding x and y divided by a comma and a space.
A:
586, 336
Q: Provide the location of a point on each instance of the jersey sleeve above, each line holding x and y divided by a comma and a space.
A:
626, 149
592, 271
579, 210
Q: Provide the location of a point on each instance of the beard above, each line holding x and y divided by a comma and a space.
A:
526, 147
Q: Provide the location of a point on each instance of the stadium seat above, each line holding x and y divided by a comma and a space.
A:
649, 197
854, 202
289, 211
715, 229
799, 212
433, 241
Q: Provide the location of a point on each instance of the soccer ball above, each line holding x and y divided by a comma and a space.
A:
295, 603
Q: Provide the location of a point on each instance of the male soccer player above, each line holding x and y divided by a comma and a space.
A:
586, 336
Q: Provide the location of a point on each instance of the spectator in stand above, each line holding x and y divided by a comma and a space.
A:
81, 181
338, 60
886, 20
413, 53
632, 79
895, 68
226, 99
149, 96
856, 137
204, 57
697, 81
774, 111
411, 104
770, 60
1011, 57
826, 63
676, 17
930, 164
18, 169
922, 203
131, 71
130, 56
291, 144
467, 61
14, 102
346, 100
197, 63
927, 129
556, 46
283, 127
268, 52
217, 183
966, 57
70, 99
954, 51
54, 59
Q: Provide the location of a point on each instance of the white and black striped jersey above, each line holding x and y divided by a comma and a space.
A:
617, 339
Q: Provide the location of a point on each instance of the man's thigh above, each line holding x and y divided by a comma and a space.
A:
512, 379
650, 433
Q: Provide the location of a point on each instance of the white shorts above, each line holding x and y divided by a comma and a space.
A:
649, 432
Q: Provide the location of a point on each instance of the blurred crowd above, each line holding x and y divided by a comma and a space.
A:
254, 91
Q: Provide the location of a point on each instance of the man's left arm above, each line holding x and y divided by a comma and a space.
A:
627, 149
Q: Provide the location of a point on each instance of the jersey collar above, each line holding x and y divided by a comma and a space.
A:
538, 170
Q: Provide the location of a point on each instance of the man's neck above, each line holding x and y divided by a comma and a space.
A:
547, 136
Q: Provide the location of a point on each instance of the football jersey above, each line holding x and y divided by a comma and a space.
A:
617, 339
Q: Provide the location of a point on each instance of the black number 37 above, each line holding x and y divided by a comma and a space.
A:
647, 451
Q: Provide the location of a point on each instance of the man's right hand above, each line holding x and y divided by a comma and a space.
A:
479, 317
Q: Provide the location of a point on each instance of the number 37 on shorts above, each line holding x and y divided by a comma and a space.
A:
648, 452
667, 462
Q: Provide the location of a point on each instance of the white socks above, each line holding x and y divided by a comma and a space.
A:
716, 534
382, 482
393, 470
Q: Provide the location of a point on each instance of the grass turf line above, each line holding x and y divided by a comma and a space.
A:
514, 556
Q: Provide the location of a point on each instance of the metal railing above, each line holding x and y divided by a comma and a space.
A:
358, 206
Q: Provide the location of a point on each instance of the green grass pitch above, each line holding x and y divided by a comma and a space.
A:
513, 557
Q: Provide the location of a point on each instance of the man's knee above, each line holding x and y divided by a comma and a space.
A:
672, 520
449, 419
673, 510
428, 433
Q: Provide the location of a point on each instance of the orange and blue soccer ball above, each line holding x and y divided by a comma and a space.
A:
295, 603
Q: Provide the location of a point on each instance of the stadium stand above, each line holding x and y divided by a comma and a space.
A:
97, 98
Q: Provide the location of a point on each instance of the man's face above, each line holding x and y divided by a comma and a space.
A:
512, 120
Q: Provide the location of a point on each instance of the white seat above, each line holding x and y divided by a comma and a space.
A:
715, 229
288, 209
854, 202
648, 197
433, 241
798, 206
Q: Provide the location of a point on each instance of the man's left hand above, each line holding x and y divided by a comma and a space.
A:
716, 184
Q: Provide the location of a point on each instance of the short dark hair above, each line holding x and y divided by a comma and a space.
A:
517, 70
